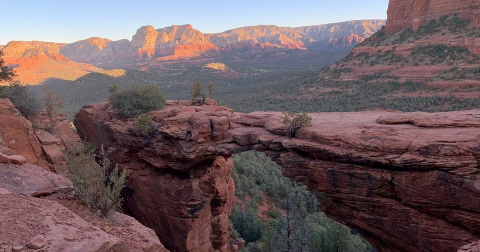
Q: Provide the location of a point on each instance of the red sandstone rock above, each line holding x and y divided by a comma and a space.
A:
17, 135
413, 13
403, 187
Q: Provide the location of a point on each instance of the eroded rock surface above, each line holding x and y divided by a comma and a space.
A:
414, 13
28, 221
403, 187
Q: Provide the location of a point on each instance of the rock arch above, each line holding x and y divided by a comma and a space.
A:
405, 181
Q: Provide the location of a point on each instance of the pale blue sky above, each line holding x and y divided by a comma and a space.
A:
72, 20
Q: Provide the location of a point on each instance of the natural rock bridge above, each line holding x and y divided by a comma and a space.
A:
404, 181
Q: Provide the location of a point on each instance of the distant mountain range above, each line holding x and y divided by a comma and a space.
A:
183, 41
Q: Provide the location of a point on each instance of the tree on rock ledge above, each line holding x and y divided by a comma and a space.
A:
295, 121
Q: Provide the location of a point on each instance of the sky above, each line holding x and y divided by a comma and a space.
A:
67, 21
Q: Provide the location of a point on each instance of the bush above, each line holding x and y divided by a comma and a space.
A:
197, 90
137, 100
23, 99
52, 101
144, 123
295, 121
94, 184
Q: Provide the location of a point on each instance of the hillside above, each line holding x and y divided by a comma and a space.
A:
435, 67
237, 77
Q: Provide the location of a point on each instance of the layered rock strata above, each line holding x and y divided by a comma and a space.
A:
405, 181
414, 13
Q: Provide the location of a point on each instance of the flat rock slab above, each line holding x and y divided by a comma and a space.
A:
54, 153
46, 138
31, 222
30, 180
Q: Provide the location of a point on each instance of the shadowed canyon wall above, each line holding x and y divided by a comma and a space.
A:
405, 181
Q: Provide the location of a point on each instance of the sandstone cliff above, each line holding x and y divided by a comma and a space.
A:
19, 49
39, 68
338, 35
414, 13
91, 49
183, 41
405, 181
436, 43
30, 221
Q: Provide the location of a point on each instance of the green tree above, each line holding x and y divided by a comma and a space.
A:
145, 123
210, 90
197, 90
23, 99
138, 100
53, 101
6, 73
295, 122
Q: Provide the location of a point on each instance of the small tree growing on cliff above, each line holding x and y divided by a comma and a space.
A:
52, 101
145, 123
295, 122
210, 90
197, 90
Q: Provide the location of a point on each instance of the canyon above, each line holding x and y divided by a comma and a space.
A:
404, 181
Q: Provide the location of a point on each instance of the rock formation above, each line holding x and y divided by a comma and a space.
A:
20, 49
414, 13
405, 181
183, 41
308, 37
29, 221
412, 48
37, 223
17, 136
40, 68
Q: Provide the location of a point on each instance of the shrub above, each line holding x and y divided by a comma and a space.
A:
112, 88
144, 123
137, 100
295, 121
210, 90
23, 99
197, 90
52, 101
94, 184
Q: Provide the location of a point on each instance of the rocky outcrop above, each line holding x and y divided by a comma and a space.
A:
398, 54
21, 49
17, 136
414, 13
39, 68
29, 222
21, 143
405, 181
95, 50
